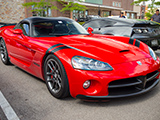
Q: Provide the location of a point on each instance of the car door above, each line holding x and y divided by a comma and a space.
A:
20, 47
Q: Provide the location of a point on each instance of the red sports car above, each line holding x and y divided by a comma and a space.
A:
72, 61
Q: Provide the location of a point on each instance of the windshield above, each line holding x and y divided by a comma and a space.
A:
57, 28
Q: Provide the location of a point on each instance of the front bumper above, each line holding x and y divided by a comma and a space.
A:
128, 92
120, 82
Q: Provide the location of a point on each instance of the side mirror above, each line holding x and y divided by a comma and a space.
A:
90, 30
18, 31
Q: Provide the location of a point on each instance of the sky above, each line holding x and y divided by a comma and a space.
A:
149, 2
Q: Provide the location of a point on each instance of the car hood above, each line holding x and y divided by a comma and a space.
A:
103, 49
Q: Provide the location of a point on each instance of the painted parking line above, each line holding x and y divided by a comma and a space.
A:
7, 109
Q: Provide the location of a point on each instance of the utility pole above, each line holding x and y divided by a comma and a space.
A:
143, 10
99, 11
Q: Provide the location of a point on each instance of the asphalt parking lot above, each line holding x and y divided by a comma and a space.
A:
30, 100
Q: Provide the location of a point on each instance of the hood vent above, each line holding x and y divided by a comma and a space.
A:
124, 51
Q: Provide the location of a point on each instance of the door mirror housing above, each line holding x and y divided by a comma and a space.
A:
18, 31
90, 30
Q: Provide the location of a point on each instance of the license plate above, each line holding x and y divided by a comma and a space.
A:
154, 43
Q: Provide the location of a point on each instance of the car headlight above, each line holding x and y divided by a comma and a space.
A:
145, 30
141, 30
137, 30
152, 53
84, 63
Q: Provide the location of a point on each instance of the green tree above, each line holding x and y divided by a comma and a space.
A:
41, 7
71, 5
151, 7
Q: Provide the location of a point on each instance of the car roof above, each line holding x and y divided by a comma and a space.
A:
130, 22
40, 19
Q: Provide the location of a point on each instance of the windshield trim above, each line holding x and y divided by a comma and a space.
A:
61, 35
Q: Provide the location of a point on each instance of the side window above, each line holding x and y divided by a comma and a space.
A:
93, 24
106, 23
25, 28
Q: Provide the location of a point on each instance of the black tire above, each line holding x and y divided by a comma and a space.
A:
55, 77
4, 53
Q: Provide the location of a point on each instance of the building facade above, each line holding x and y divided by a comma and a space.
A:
106, 8
13, 11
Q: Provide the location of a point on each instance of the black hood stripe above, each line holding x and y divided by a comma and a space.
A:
131, 41
137, 43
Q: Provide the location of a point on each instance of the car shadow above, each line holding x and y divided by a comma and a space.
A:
123, 101
69, 98
115, 102
111, 102
30, 74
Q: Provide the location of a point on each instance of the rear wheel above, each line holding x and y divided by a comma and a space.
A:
55, 77
4, 53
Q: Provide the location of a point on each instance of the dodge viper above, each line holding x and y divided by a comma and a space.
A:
76, 62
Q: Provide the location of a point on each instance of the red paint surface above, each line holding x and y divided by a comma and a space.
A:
24, 51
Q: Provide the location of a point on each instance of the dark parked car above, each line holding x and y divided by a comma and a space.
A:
81, 19
2, 24
90, 17
145, 31
6, 24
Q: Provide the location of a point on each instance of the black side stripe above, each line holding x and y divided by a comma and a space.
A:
53, 47
60, 48
131, 41
36, 64
137, 43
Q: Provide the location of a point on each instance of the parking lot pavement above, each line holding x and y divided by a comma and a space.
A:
7, 109
2, 115
31, 100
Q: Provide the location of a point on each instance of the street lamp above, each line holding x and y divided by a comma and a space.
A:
99, 11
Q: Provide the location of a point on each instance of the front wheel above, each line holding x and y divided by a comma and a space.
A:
4, 53
55, 77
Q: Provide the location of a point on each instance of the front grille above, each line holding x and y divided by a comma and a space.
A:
155, 31
132, 85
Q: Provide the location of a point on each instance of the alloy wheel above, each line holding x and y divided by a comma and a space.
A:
3, 51
53, 74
